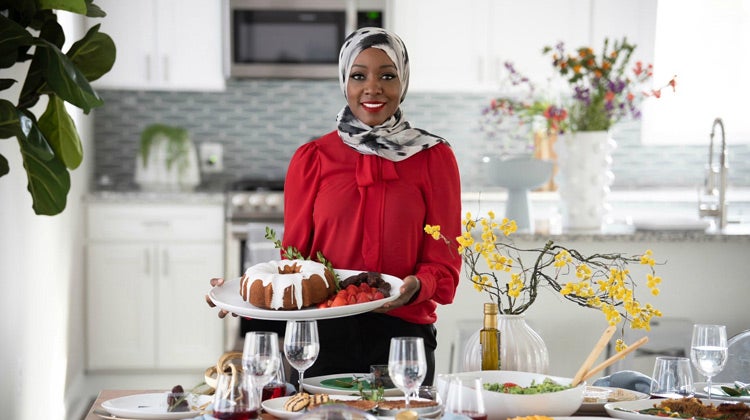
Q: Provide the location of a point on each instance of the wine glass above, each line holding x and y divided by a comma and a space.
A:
301, 345
465, 397
708, 350
260, 360
232, 399
407, 364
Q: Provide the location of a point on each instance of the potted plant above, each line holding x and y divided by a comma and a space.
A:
49, 144
167, 160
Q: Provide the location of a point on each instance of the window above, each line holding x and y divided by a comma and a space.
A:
706, 43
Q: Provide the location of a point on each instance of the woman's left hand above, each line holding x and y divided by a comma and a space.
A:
409, 290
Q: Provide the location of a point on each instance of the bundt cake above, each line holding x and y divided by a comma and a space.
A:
287, 284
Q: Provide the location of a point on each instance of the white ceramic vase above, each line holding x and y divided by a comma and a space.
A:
584, 178
521, 348
520, 174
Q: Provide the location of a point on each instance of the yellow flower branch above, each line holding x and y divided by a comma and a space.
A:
599, 281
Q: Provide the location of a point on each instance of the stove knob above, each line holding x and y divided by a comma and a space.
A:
239, 200
255, 200
275, 200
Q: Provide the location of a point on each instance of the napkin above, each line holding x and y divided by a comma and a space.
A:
626, 379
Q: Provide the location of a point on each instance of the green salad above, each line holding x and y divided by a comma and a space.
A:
547, 385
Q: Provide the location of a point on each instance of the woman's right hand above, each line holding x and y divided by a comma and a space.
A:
217, 282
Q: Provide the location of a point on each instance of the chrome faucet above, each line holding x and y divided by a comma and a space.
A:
717, 206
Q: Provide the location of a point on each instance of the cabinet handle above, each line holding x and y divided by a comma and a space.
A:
148, 67
165, 262
165, 61
147, 254
155, 223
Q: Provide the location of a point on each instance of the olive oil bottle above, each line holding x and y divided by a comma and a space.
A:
489, 338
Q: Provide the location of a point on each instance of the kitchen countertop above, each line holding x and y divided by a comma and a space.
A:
627, 207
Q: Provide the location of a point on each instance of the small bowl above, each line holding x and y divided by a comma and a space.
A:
500, 405
380, 377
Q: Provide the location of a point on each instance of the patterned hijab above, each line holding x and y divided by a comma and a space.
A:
394, 139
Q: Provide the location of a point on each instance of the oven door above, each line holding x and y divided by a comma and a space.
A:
246, 246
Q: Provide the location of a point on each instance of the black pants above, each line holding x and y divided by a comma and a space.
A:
351, 344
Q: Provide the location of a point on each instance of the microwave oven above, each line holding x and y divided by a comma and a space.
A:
293, 38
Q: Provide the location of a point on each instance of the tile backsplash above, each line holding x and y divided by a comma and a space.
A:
260, 123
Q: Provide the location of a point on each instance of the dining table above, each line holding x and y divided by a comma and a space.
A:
108, 394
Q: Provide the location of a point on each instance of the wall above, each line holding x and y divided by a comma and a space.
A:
41, 268
261, 123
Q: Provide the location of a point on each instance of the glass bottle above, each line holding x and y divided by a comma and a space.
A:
489, 338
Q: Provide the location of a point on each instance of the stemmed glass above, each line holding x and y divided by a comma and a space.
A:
260, 359
407, 364
708, 350
301, 345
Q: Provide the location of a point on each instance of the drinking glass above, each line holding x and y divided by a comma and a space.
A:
301, 345
672, 378
465, 397
407, 364
233, 398
276, 387
708, 350
260, 360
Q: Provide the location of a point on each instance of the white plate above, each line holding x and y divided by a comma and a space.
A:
598, 408
314, 385
152, 406
701, 390
275, 406
228, 297
612, 409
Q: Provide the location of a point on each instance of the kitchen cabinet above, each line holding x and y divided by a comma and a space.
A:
459, 46
148, 267
163, 44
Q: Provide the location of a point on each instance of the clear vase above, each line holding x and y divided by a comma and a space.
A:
584, 178
521, 348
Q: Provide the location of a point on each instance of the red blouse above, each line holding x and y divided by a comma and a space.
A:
367, 213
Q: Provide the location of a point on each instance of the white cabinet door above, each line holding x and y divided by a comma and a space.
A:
120, 306
521, 29
446, 41
163, 44
190, 334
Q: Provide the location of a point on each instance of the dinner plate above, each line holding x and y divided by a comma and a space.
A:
275, 406
326, 385
626, 410
228, 298
619, 393
153, 406
701, 391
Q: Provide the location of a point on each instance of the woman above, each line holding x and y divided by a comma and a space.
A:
362, 194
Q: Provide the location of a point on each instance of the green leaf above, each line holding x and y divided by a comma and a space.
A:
7, 83
49, 181
93, 10
61, 133
94, 54
4, 167
12, 37
9, 123
74, 6
32, 137
65, 79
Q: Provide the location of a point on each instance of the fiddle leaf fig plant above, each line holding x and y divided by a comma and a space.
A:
49, 144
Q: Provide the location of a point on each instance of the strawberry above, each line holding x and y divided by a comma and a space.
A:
351, 289
339, 300
363, 298
377, 295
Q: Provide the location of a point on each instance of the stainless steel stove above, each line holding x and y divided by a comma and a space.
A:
251, 205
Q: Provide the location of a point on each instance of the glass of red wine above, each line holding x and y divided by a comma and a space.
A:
277, 387
234, 398
465, 397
